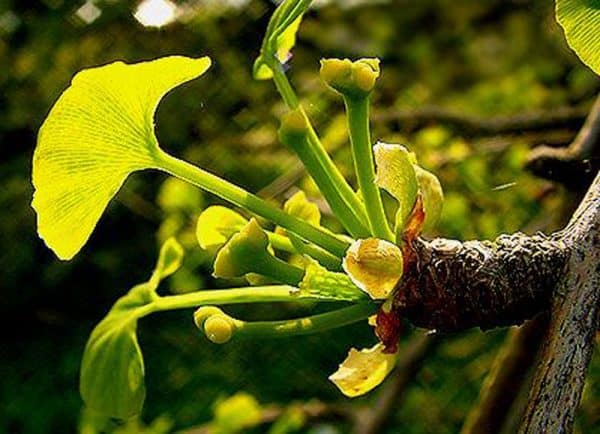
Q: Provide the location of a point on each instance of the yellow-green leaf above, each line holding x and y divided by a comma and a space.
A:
216, 225
112, 369
99, 131
580, 19
363, 370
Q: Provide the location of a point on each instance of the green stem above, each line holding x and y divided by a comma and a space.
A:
332, 184
357, 110
306, 325
284, 244
284, 87
279, 270
257, 294
242, 198
300, 145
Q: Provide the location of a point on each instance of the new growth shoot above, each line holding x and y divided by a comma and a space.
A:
90, 143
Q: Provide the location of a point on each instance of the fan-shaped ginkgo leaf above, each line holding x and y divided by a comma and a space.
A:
580, 20
99, 131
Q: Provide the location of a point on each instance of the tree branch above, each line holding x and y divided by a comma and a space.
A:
450, 285
575, 312
575, 165
559, 118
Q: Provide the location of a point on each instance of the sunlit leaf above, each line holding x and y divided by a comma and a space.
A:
99, 131
375, 266
280, 36
363, 370
216, 225
112, 369
580, 20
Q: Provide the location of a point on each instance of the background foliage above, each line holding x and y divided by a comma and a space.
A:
475, 58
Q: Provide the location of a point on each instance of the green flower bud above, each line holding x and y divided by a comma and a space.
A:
351, 79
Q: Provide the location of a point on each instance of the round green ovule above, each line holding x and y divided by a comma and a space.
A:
203, 313
218, 329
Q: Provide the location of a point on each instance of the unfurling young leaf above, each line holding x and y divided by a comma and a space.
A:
100, 130
363, 370
280, 36
580, 19
112, 369
375, 266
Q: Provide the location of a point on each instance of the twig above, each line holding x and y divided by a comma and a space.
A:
568, 347
506, 378
559, 118
575, 165
375, 418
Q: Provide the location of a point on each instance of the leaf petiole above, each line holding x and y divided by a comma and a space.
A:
244, 199
336, 190
357, 109
300, 326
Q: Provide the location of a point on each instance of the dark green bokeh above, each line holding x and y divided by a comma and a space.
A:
477, 58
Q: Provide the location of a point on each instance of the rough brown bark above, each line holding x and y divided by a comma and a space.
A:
575, 165
451, 285
568, 347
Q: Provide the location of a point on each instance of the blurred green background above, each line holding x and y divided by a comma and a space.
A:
477, 59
